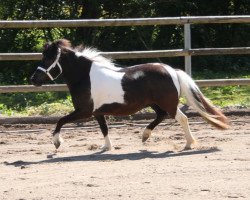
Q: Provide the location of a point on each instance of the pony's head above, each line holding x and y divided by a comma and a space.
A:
50, 67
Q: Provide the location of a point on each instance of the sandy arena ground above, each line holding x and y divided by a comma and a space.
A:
217, 168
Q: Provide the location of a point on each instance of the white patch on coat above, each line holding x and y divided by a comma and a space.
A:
57, 138
107, 145
138, 74
106, 85
183, 120
174, 77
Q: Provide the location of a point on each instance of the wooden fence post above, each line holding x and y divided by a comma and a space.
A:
187, 46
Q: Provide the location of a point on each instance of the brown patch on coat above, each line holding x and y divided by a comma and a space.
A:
154, 87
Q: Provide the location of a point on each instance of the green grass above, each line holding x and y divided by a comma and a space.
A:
34, 104
228, 96
59, 103
60, 107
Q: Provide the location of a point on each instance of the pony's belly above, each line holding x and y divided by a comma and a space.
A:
100, 100
117, 109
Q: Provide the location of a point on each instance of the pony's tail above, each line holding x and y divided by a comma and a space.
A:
199, 102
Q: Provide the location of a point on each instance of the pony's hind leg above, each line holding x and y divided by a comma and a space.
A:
104, 128
160, 115
183, 120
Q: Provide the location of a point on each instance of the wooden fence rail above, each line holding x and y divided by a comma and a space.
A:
141, 54
63, 87
125, 22
187, 51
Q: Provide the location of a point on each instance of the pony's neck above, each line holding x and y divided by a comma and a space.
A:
75, 69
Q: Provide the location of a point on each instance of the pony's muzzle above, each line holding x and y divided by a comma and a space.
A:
34, 82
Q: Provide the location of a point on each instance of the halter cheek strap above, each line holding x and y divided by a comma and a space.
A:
53, 65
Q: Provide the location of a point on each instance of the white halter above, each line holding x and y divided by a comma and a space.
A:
53, 65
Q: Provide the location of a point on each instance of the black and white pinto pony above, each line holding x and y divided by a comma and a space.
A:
99, 88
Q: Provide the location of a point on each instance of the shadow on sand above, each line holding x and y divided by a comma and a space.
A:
101, 156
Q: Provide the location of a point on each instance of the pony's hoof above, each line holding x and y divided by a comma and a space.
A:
144, 139
189, 145
106, 148
187, 148
57, 144
57, 140
146, 134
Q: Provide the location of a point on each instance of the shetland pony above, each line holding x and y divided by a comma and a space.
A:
98, 88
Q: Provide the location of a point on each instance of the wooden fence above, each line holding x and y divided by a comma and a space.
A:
187, 52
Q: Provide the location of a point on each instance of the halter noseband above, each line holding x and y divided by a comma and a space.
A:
53, 65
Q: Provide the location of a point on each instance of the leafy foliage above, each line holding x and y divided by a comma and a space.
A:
121, 38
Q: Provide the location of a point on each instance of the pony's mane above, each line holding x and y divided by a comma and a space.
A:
95, 56
88, 52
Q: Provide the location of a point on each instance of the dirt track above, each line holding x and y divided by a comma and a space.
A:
217, 168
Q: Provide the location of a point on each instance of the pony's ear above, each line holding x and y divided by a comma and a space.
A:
46, 45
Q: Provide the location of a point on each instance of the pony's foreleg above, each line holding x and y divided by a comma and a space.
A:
183, 120
160, 115
104, 128
72, 117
